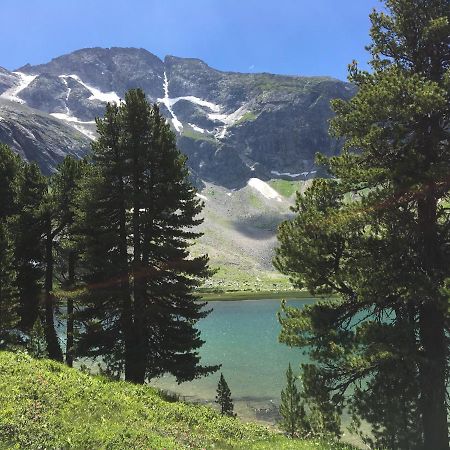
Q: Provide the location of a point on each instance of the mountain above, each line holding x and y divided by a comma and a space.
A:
238, 130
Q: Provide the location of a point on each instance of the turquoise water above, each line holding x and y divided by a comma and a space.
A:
243, 337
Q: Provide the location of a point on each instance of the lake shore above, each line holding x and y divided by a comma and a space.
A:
255, 295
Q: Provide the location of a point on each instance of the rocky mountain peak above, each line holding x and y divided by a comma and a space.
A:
231, 125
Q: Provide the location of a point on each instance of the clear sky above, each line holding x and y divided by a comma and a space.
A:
298, 37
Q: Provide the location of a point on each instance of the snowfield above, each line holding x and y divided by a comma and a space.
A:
215, 115
168, 102
76, 123
264, 189
105, 97
24, 81
196, 128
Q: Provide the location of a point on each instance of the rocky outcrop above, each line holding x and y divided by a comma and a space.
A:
38, 137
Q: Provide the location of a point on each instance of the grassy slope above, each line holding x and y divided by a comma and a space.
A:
239, 237
47, 405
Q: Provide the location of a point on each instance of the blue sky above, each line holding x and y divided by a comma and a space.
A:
298, 37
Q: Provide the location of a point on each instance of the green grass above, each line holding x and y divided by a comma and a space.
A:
249, 295
231, 278
255, 201
197, 136
45, 405
285, 188
249, 116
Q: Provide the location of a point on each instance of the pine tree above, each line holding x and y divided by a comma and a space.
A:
385, 251
8, 286
223, 398
10, 167
28, 254
291, 408
66, 185
137, 212
57, 214
37, 346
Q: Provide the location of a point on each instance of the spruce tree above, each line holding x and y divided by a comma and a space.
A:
223, 398
137, 213
376, 234
10, 167
57, 214
291, 408
66, 185
9, 298
28, 254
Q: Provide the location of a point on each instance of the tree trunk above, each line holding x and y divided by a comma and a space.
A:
127, 307
433, 387
51, 337
70, 322
432, 334
139, 357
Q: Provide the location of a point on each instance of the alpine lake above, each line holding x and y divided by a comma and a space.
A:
242, 336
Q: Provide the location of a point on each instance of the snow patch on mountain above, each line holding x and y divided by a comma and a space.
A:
201, 196
215, 115
105, 97
69, 118
167, 101
287, 174
196, 101
227, 120
264, 189
292, 175
23, 82
76, 123
196, 128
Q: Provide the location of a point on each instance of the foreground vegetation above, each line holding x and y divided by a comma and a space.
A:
47, 405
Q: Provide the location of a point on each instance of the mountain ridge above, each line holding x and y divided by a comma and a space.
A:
238, 130
249, 124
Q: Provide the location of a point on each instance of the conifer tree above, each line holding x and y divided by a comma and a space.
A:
67, 184
57, 214
8, 286
28, 254
385, 252
223, 398
291, 408
10, 167
137, 212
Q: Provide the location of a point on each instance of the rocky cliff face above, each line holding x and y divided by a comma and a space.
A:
232, 126
39, 137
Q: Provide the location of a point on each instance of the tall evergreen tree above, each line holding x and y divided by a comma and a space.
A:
385, 252
291, 408
66, 185
10, 167
28, 254
137, 211
223, 398
57, 214
9, 298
